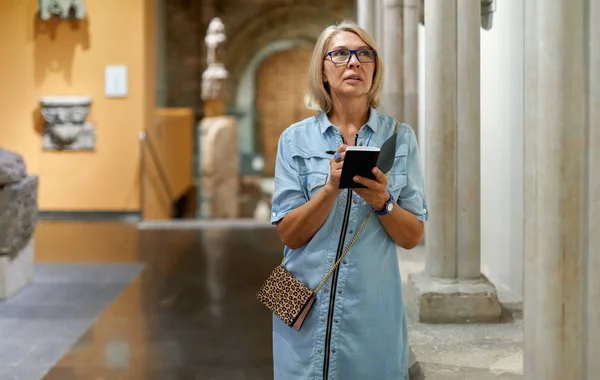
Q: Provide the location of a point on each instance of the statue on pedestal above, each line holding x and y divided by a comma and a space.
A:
218, 135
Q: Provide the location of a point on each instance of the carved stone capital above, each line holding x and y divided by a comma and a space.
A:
62, 8
65, 120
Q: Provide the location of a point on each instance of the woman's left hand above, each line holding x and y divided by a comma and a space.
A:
376, 193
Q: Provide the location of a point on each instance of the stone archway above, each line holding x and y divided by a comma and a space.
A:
246, 93
294, 22
281, 82
276, 30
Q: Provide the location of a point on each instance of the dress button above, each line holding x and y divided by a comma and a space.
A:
337, 321
359, 144
323, 320
330, 261
345, 261
320, 350
351, 231
339, 292
333, 350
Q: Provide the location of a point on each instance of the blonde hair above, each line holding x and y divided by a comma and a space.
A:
318, 97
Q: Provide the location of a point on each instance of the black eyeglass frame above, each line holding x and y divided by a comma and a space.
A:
352, 52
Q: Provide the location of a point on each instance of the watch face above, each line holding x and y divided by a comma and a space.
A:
390, 207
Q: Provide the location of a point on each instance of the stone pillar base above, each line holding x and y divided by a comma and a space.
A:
433, 300
16, 270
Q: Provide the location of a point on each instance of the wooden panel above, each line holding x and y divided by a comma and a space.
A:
171, 137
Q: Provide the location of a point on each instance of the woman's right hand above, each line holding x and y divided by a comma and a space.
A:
335, 168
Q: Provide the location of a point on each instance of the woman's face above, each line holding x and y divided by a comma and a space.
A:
353, 78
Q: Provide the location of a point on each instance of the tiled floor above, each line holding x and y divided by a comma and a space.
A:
41, 323
191, 314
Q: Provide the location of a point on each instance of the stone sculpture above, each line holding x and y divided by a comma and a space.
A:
12, 167
215, 76
66, 126
61, 8
18, 218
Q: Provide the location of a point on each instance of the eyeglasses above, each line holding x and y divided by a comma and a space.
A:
344, 55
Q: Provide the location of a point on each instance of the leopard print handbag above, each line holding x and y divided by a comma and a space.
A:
290, 299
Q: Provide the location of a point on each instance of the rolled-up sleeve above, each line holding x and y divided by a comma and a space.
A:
412, 196
288, 193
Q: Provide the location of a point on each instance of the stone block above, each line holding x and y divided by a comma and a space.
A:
18, 214
12, 167
16, 269
433, 300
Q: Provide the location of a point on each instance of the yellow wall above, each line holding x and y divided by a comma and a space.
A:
41, 58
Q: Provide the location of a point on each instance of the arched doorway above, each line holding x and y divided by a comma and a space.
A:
281, 82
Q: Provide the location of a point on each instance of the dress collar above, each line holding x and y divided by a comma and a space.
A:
326, 124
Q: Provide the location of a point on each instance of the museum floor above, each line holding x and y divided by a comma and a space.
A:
115, 300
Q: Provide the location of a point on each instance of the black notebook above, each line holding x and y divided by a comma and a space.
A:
360, 161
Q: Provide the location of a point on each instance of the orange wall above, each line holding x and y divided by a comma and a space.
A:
54, 57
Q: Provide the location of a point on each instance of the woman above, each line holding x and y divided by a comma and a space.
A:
356, 328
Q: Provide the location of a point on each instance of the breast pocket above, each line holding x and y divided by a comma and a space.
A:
313, 168
313, 182
396, 182
397, 177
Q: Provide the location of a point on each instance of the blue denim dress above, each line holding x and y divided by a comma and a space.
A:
356, 328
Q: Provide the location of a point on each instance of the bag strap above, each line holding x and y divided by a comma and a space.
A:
364, 223
350, 244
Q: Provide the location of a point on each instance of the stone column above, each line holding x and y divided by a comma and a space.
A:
393, 56
452, 289
410, 20
365, 10
562, 190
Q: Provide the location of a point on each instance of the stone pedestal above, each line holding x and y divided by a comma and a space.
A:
452, 289
562, 190
438, 300
220, 182
16, 270
18, 217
